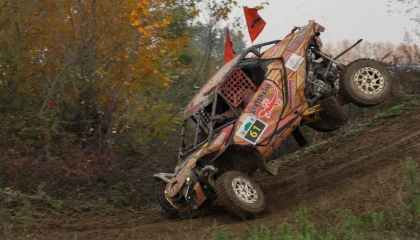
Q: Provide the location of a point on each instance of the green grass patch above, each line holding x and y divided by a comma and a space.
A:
380, 118
397, 110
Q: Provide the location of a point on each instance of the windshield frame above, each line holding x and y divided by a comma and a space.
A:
185, 150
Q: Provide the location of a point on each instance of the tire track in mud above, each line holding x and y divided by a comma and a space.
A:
361, 173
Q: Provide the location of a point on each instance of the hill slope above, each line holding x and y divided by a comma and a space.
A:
361, 173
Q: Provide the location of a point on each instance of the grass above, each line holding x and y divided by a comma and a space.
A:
379, 118
401, 223
219, 234
398, 109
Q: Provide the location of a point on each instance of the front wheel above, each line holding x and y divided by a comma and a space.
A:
239, 194
365, 83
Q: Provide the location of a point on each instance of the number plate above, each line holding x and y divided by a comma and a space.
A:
252, 128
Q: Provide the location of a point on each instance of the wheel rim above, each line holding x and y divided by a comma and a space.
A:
244, 190
369, 81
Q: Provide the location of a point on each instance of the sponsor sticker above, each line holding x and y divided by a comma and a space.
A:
274, 51
295, 43
260, 96
292, 93
252, 128
269, 104
294, 62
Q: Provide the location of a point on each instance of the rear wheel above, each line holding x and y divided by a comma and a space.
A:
239, 194
365, 83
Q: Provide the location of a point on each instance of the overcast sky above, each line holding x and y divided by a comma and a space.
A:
342, 19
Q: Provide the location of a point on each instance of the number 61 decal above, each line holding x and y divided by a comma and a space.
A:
251, 129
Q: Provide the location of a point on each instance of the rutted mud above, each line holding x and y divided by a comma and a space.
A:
361, 173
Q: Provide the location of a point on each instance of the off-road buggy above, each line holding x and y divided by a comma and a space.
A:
269, 94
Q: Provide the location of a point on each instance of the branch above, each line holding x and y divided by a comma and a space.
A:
51, 88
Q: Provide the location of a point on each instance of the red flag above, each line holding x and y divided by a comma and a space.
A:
229, 52
255, 23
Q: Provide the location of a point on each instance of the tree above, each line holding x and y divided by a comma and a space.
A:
80, 69
82, 66
411, 8
380, 50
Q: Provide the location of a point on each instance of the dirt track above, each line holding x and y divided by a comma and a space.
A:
360, 173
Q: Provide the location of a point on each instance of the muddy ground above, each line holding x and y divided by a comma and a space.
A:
360, 173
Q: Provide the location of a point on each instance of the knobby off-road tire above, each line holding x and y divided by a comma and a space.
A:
239, 194
365, 83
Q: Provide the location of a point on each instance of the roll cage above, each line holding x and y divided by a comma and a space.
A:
230, 91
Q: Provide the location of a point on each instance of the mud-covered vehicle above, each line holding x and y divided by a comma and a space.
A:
250, 106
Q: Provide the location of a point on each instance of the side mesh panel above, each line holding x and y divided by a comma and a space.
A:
237, 87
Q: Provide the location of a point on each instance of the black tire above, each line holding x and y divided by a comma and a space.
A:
168, 210
242, 206
365, 83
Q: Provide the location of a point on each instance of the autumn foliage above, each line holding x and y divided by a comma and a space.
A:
91, 91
